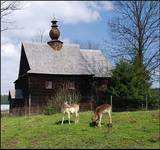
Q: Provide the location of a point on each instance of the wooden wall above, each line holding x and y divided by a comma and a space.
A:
21, 83
40, 95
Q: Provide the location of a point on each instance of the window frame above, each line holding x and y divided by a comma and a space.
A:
71, 85
49, 86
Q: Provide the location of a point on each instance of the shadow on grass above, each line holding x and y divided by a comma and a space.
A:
64, 122
95, 124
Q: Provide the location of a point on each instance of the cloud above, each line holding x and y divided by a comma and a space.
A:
9, 73
8, 50
40, 12
10, 56
107, 5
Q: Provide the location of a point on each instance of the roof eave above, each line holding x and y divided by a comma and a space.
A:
21, 77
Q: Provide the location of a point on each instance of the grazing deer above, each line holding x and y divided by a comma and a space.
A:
70, 109
100, 110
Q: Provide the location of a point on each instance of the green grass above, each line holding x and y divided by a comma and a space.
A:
130, 130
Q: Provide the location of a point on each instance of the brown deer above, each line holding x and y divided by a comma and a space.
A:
70, 109
100, 110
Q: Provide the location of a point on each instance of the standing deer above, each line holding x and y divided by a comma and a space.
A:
70, 109
100, 110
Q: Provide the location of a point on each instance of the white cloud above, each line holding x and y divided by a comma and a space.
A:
8, 50
108, 5
10, 56
9, 73
65, 11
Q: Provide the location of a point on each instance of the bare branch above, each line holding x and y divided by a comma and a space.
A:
135, 30
40, 36
8, 8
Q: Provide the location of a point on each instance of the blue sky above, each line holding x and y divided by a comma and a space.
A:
77, 20
95, 31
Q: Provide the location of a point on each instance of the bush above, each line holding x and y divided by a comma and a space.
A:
62, 95
51, 110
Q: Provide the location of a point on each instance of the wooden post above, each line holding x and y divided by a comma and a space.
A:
146, 103
29, 104
29, 86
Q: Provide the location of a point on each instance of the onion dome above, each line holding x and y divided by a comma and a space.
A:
54, 35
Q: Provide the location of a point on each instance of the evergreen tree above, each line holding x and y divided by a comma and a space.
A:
130, 81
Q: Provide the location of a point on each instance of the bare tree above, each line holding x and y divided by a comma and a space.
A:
40, 36
8, 8
136, 32
87, 44
98, 66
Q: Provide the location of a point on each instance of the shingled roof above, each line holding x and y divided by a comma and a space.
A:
70, 60
97, 62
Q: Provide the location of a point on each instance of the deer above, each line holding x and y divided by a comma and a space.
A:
98, 113
70, 109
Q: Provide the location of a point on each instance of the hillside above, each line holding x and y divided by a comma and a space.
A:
130, 130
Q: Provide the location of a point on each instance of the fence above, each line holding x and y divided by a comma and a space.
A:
4, 113
118, 104
21, 111
128, 104
39, 109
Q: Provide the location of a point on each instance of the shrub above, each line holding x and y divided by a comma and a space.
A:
62, 95
50, 110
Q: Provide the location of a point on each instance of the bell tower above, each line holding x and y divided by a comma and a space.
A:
54, 35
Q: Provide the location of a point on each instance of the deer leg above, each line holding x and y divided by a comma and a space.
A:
62, 119
100, 119
110, 118
69, 117
76, 119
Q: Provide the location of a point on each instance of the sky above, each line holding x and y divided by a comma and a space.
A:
77, 21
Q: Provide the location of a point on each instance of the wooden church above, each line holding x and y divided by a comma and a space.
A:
44, 67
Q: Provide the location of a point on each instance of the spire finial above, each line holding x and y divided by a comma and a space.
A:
54, 35
54, 18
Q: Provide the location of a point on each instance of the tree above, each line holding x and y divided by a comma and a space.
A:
4, 99
129, 82
40, 36
87, 44
136, 32
8, 8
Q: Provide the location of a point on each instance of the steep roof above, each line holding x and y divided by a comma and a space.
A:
70, 60
97, 62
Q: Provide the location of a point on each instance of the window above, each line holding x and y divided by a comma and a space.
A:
48, 84
71, 85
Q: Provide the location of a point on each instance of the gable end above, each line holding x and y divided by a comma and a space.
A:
24, 65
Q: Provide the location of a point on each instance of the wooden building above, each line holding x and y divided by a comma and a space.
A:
45, 67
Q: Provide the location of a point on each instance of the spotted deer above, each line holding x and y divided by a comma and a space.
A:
70, 109
100, 110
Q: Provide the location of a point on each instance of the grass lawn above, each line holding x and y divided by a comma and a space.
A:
139, 129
